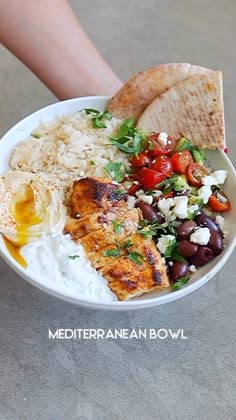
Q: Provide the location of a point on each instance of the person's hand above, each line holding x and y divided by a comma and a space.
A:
47, 37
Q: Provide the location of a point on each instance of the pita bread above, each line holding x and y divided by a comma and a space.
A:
136, 94
193, 109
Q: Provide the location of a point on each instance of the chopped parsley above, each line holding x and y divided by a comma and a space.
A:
172, 252
150, 229
178, 257
36, 135
135, 257
119, 192
127, 244
175, 182
145, 232
99, 117
73, 257
172, 247
112, 253
118, 227
116, 171
129, 139
180, 283
92, 162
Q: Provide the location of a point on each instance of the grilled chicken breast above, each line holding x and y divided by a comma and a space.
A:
116, 216
101, 221
91, 195
112, 233
140, 271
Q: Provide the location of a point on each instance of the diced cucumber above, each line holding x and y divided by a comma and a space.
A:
183, 144
181, 183
199, 156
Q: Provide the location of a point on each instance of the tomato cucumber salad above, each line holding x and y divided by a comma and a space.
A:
181, 198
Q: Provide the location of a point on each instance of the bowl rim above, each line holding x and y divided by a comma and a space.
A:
113, 305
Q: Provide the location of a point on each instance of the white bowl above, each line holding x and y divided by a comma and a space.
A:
219, 160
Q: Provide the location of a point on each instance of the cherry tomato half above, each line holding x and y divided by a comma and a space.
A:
142, 159
219, 202
163, 164
133, 189
149, 178
157, 148
194, 173
181, 160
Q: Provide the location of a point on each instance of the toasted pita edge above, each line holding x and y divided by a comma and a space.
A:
192, 108
138, 92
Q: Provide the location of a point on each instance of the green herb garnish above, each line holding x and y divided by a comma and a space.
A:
146, 232
36, 135
98, 119
127, 244
180, 283
150, 229
178, 257
115, 170
129, 139
73, 257
118, 227
172, 252
135, 257
112, 253
172, 247
175, 182
169, 182
92, 162
119, 192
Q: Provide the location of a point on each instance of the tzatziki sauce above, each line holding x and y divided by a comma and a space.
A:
62, 264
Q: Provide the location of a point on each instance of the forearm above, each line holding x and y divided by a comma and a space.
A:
46, 37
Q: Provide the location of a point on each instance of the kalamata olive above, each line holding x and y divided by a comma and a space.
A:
178, 270
215, 243
186, 229
206, 221
202, 256
187, 248
150, 213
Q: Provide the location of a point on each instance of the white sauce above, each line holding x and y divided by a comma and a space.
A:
49, 259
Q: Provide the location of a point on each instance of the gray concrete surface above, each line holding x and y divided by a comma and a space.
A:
124, 379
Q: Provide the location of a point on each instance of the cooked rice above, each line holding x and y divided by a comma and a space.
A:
68, 149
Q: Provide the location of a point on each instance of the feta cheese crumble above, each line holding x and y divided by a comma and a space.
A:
201, 236
204, 193
192, 268
193, 208
164, 204
139, 192
220, 220
148, 199
164, 242
181, 207
157, 193
215, 178
220, 176
131, 202
163, 138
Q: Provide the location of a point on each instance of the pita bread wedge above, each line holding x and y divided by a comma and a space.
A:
193, 109
138, 92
